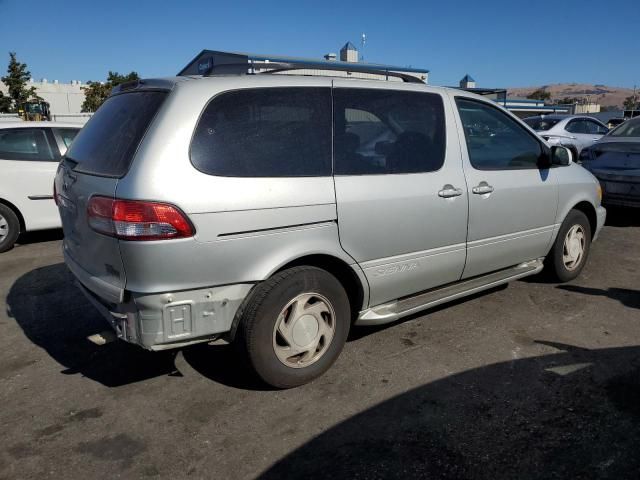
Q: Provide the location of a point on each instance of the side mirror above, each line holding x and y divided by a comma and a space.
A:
561, 156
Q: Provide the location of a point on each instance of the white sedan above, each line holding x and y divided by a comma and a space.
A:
29, 156
572, 131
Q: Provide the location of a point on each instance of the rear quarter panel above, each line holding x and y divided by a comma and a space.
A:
246, 228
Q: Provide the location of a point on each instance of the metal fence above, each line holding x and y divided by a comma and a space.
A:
80, 118
9, 117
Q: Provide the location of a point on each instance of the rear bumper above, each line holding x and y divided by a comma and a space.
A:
111, 293
172, 319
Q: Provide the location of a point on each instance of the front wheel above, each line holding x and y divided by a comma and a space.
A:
571, 247
294, 325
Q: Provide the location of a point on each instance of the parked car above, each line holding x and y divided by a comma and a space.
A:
615, 161
573, 132
275, 211
614, 122
29, 156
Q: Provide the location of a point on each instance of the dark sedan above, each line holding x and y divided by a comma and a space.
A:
615, 161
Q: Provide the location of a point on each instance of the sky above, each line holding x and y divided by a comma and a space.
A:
499, 43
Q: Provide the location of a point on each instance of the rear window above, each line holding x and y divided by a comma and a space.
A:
107, 143
267, 132
540, 124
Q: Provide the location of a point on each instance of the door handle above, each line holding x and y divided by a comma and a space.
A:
449, 191
483, 188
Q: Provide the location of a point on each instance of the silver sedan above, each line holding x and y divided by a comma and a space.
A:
573, 132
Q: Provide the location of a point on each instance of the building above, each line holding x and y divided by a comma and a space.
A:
208, 60
527, 107
349, 53
521, 107
63, 98
467, 82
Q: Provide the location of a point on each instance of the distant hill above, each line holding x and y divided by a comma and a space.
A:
602, 94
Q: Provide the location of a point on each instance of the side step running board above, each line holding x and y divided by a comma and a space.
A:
389, 312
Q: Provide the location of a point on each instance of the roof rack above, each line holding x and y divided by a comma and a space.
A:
277, 67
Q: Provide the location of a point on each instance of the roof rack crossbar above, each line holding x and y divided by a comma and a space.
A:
276, 67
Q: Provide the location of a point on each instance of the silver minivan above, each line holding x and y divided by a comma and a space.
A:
276, 211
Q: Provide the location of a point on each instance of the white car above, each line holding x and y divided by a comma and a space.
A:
29, 156
571, 131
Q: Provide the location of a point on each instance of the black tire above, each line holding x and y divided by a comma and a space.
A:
9, 233
554, 262
258, 316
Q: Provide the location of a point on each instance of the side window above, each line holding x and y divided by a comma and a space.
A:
378, 131
595, 128
65, 136
265, 132
494, 140
576, 126
25, 144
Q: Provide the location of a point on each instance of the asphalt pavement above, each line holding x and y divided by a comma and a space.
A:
532, 381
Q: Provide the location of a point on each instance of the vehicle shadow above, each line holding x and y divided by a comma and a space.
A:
623, 217
627, 297
55, 315
574, 414
27, 238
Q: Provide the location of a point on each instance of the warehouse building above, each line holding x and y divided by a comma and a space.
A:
63, 98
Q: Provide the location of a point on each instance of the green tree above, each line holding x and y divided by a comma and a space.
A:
631, 102
16, 81
539, 94
5, 103
97, 92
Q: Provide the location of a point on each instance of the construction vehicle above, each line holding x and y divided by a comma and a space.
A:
34, 111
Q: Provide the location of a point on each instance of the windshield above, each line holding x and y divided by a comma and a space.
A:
630, 128
108, 142
538, 123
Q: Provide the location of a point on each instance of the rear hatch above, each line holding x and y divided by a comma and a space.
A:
101, 154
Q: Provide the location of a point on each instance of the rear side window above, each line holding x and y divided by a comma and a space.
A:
107, 143
65, 136
266, 132
25, 144
380, 131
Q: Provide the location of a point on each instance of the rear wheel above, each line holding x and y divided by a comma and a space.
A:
294, 326
9, 228
571, 248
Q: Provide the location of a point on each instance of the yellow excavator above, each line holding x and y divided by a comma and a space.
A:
34, 111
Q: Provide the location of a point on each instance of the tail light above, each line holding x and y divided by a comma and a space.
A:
137, 220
